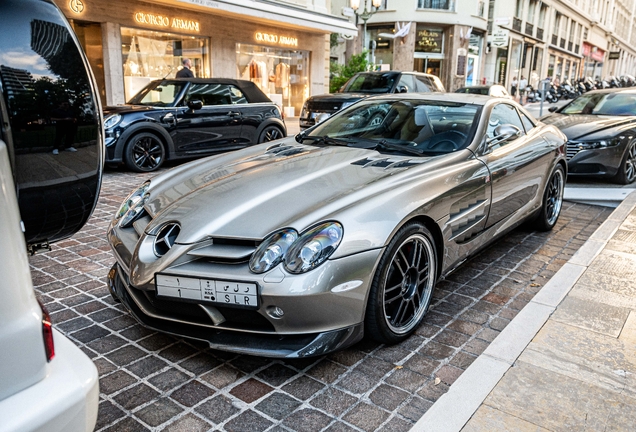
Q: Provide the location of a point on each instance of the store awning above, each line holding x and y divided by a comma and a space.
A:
271, 13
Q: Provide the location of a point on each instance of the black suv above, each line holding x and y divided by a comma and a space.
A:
186, 118
362, 85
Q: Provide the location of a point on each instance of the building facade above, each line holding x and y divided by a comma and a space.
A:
467, 42
560, 39
282, 46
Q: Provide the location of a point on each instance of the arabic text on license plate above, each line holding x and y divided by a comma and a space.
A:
217, 291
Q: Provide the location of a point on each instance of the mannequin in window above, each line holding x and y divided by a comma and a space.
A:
185, 72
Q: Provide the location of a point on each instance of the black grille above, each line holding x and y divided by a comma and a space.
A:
323, 106
572, 150
240, 319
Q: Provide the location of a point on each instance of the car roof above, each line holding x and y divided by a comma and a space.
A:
251, 90
397, 72
444, 97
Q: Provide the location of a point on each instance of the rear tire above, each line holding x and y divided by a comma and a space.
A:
144, 152
552, 201
627, 170
402, 286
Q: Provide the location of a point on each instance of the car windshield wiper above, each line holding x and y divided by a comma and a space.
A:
383, 144
323, 138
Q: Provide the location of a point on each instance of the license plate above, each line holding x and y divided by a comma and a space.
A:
230, 293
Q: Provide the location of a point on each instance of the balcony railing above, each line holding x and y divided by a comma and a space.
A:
562, 43
529, 29
555, 39
539, 33
516, 24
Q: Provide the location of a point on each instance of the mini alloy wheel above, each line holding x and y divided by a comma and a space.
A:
552, 201
144, 153
270, 133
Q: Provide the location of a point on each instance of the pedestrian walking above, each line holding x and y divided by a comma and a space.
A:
185, 72
513, 88
65, 128
523, 84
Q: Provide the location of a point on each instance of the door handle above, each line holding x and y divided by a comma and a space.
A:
169, 118
234, 114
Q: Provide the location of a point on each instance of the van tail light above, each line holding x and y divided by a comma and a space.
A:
47, 333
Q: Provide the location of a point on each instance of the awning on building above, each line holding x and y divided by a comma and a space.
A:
271, 13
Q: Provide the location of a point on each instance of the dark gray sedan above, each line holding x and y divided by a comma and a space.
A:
601, 130
301, 246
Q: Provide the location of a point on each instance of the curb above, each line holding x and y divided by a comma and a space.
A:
454, 409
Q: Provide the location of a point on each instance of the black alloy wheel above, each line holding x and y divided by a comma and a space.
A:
144, 152
270, 133
552, 201
627, 170
403, 285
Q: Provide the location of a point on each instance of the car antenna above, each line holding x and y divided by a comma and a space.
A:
164, 77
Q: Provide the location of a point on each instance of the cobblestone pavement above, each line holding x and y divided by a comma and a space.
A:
150, 381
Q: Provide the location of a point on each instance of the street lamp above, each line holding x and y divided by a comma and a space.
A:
365, 15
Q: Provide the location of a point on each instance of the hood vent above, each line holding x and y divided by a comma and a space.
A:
285, 150
386, 163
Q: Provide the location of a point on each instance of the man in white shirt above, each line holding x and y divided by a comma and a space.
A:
523, 83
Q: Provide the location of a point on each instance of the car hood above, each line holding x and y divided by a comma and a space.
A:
122, 109
250, 193
340, 97
575, 126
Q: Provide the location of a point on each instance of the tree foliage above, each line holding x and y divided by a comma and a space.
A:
339, 74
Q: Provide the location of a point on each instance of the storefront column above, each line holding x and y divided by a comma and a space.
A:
113, 66
403, 50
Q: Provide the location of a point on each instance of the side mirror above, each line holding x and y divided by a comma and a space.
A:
195, 105
504, 133
553, 108
402, 89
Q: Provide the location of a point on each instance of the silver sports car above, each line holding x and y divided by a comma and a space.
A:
302, 246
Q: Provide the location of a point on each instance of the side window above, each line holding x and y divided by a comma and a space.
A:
503, 114
237, 95
424, 84
210, 94
527, 122
407, 80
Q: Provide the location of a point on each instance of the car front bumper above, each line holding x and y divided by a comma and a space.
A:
603, 162
323, 309
267, 344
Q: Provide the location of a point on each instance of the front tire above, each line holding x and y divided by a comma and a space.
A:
552, 201
144, 152
270, 133
402, 287
627, 170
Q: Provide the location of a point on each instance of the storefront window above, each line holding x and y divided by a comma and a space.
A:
283, 75
383, 53
149, 55
429, 66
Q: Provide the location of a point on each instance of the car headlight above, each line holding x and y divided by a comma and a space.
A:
112, 121
590, 145
133, 205
272, 251
313, 247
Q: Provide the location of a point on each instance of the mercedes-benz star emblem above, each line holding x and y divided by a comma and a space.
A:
76, 6
166, 238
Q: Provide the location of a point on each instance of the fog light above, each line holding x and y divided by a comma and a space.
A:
275, 312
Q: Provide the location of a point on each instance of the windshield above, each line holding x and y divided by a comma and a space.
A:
408, 126
473, 90
614, 104
158, 93
371, 83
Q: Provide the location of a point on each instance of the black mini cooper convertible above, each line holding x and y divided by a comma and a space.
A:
188, 118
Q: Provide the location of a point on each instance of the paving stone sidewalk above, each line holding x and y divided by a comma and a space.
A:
150, 381
577, 366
